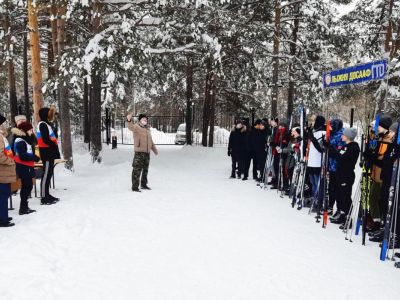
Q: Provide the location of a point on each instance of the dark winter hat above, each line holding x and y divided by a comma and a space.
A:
319, 122
350, 133
297, 129
25, 126
258, 122
141, 116
336, 125
238, 121
2, 119
385, 122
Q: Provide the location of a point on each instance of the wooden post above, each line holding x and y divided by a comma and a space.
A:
35, 58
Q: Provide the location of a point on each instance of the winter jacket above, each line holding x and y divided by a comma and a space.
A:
293, 152
378, 155
347, 159
46, 135
335, 141
7, 164
315, 154
259, 140
142, 138
235, 141
24, 155
280, 139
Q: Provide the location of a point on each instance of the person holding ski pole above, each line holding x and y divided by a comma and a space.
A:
386, 176
336, 142
292, 151
259, 140
347, 158
280, 142
316, 135
384, 139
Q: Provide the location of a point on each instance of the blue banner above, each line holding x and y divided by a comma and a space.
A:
376, 70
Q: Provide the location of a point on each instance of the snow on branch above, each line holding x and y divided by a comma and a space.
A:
185, 48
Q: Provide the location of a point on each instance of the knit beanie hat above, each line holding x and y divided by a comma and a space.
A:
20, 118
350, 133
385, 122
2, 119
141, 116
25, 126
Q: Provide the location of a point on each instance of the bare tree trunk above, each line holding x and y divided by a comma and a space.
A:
189, 99
275, 60
63, 91
293, 48
28, 112
86, 123
36, 62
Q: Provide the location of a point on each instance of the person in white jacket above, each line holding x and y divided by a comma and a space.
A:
315, 155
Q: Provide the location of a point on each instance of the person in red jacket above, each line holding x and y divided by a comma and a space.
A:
280, 142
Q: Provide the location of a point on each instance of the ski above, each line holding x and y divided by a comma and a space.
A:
392, 198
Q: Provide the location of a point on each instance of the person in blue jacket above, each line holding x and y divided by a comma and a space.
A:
25, 158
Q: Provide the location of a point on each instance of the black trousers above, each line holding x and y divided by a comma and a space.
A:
26, 189
235, 163
48, 171
276, 169
343, 196
332, 189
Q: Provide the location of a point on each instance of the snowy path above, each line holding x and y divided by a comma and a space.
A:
197, 235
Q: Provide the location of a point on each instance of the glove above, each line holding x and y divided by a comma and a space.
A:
278, 149
325, 143
37, 158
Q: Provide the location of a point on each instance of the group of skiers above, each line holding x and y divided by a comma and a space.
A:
18, 158
314, 163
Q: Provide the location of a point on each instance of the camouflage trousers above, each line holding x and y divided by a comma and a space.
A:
140, 166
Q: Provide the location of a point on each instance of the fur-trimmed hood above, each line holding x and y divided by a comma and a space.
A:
243, 130
47, 114
17, 132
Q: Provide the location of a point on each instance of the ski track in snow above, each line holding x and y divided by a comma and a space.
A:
196, 235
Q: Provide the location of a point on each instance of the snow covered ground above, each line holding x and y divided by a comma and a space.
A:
197, 235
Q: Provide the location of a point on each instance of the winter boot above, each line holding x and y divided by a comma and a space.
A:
47, 201
335, 215
136, 190
145, 187
339, 220
6, 224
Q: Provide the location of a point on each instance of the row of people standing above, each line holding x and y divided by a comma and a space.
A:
18, 158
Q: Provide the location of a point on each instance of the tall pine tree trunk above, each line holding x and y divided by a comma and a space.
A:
36, 62
26, 74
10, 64
95, 118
293, 49
212, 112
95, 95
189, 98
63, 91
86, 123
207, 101
275, 60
